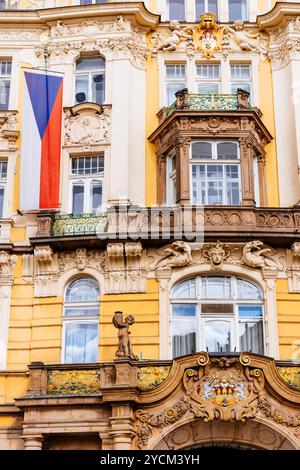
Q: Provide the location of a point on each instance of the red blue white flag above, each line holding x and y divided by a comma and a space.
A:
41, 141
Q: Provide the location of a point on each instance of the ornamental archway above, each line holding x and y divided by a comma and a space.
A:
252, 434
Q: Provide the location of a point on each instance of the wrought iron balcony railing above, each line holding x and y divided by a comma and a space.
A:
208, 102
79, 224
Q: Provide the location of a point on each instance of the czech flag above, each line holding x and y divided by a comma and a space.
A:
41, 141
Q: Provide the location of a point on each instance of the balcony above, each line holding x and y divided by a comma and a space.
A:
186, 101
152, 225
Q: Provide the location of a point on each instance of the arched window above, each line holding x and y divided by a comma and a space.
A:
90, 80
80, 322
216, 314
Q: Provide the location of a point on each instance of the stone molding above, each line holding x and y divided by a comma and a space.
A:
8, 129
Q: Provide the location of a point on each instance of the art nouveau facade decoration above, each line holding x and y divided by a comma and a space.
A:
157, 307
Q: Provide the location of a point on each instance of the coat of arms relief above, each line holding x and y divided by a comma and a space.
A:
209, 38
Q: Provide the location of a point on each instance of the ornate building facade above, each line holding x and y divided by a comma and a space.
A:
178, 219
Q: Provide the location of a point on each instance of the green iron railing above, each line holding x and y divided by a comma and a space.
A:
198, 102
79, 224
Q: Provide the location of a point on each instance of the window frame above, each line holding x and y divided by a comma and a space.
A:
6, 77
86, 180
171, 177
168, 11
207, 9
233, 317
90, 73
215, 161
246, 18
242, 81
79, 319
174, 80
208, 81
3, 184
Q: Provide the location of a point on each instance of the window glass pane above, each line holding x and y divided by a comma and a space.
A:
227, 151
210, 71
214, 175
240, 71
242, 85
87, 165
251, 336
246, 311
81, 311
208, 88
3, 169
203, 6
176, 10
175, 72
217, 335
90, 63
232, 185
1, 201
81, 88
171, 90
185, 290
82, 290
184, 334
201, 150
96, 190
216, 287
237, 10
246, 290
81, 344
4, 93
5, 67
78, 199
183, 310
98, 88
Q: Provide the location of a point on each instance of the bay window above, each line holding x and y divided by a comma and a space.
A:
80, 322
90, 80
86, 184
5, 78
204, 6
175, 81
216, 314
215, 173
238, 10
3, 178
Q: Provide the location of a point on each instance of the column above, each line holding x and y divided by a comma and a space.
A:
33, 442
121, 422
161, 180
261, 163
183, 170
247, 177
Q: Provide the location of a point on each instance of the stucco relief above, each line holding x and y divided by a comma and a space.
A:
285, 43
8, 130
115, 39
87, 125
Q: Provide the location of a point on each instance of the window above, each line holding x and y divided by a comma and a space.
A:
208, 78
204, 6
5, 73
240, 77
3, 177
86, 184
80, 326
176, 10
217, 314
215, 173
237, 10
171, 180
175, 80
90, 80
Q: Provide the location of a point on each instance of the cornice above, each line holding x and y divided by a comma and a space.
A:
142, 17
274, 17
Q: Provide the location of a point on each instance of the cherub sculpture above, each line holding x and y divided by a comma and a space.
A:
124, 346
171, 42
255, 256
245, 40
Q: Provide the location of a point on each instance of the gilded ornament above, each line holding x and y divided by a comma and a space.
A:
151, 377
291, 375
73, 382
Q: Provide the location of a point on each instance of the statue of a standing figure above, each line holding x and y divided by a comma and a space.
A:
124, 346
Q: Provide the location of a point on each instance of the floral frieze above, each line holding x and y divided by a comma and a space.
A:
73, 382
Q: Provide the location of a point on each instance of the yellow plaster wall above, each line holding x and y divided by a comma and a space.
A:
12, 385
288, 314
152, 108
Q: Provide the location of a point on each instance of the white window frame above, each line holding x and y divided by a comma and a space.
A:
208, 81
78, 319
168, 10
90, 73
87, 181
233, 318
173, 80
206, 9
3, 184
7, 77
214, 160
171, 199
242, 81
